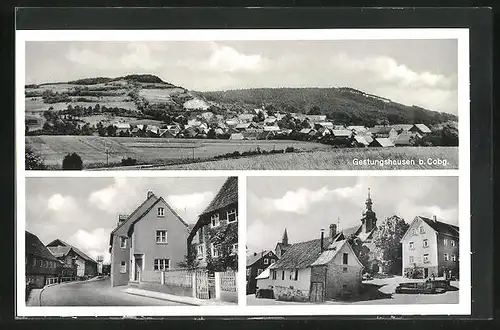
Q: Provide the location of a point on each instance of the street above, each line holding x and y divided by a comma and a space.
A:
95, 293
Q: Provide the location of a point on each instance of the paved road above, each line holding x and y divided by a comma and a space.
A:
95, 293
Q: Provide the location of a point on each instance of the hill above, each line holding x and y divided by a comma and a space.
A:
342, 105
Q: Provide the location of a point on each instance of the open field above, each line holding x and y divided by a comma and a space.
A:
157, 151
338, 159
155, 95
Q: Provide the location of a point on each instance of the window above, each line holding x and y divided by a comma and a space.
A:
274, 274
214, 250
161, 211
259, 271
161, 264
123, 242
200, 251
273, 261
344, 269
426, 258
200, 235
34, 261
446, 257
161, 237
345, 257
412, 260
296, 275
123, 267
426, 243
445, 242
214, 220
266, 261
283, 275
411, 245
453, 257
41, 263
232, 215
452, 243
422, 230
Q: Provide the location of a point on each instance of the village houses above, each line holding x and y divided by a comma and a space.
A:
70, 255
257, 262
215, 234
431, 246
149, 240
40, 262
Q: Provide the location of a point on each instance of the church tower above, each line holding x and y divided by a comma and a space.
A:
284, 240
369, 219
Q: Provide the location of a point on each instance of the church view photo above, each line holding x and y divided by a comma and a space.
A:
352, 240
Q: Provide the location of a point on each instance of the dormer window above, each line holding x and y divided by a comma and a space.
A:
161, 211
214, 220
232, 215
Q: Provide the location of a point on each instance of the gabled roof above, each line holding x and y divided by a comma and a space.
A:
265, 274
271, 128
357, 128
404, 139
402, 127
341, 133
423, 128
35, 247
361, 139
301, 255
251, 259
441, 227
236, 136
139, 217
60, 242
138, 212
380, 129
227, 195
59, 251
383, 142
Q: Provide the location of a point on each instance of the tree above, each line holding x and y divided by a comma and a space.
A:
111, 130
100, 129
361, 251
387, 239
32, 160
223, 239
190, 259
315, 110
72, 162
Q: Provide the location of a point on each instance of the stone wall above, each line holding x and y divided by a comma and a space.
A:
288, 294
342, 281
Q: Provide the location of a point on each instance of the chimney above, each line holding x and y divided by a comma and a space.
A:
434, 218
122, 218
150, 193
322, 237
333, 230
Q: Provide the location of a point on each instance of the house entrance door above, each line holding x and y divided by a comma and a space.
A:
138, 269
316, 294
426, 272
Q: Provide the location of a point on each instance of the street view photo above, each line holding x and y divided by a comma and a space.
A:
352, 240
241, 105
131, 241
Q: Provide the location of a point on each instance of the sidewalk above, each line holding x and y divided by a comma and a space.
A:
181, 299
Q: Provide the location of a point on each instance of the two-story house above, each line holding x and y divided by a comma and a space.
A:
256, 264
40, 263
73, 257
432, 246
149, 240
215, 234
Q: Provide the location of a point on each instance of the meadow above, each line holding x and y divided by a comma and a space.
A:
98, 151
404, 158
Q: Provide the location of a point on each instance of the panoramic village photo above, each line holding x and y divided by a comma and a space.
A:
107, 241
241, 105
352, 240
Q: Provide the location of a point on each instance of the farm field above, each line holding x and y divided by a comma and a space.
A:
156, 151
155, 95
36, 104
337, 159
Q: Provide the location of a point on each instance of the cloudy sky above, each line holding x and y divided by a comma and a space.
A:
304, 205
83, 211
412, 72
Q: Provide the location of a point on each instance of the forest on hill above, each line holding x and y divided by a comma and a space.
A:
341, 105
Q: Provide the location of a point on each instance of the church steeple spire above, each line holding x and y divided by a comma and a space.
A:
284, 240
369, 201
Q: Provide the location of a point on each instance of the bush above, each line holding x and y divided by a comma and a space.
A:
129, 161
414, 273
33, 161
290, 149
72, 162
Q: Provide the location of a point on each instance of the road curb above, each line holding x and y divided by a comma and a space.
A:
54, 284
165, 299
